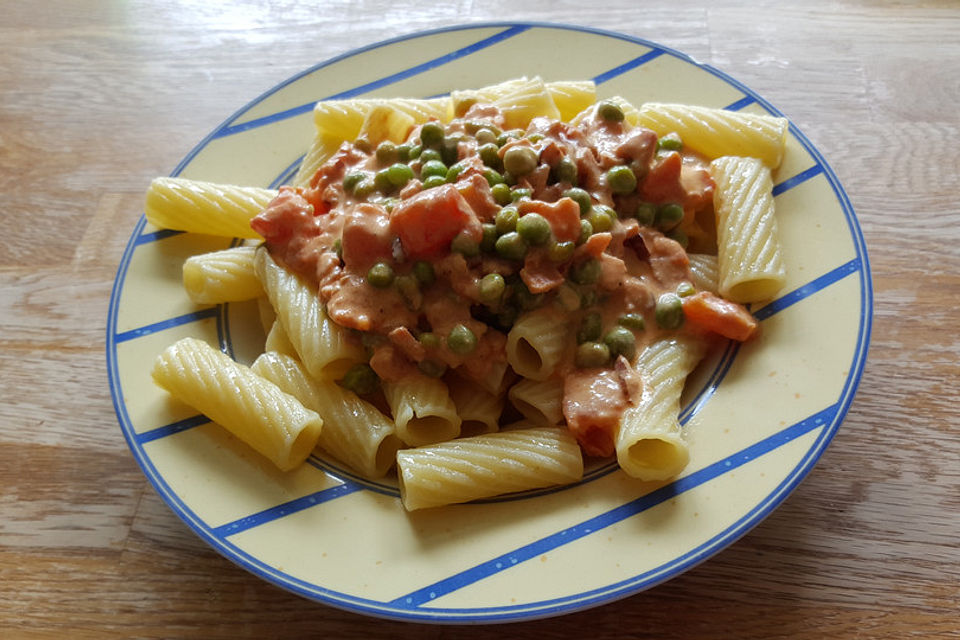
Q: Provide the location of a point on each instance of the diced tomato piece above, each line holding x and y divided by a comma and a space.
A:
366, 236
428, 221
540, 274
595, 245
476, 191
712, 313
563, 216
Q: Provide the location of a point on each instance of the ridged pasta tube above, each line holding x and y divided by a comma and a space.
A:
705, 271
520, 100
572, 96
252, 408
479, 410
343, 119
719, 132
422, 410
278, 341
536, 343
354, 431
324, 347
483, 466
205, 207
221, 276
750, 259
324, 145
650, 444
540, 401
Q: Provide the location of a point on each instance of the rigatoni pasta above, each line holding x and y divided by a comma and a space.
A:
205, 207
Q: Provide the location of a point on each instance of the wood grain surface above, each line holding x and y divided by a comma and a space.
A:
98, 97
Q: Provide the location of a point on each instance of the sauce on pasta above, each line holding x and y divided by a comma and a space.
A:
433, 249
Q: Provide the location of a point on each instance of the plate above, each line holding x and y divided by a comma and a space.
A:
757, 416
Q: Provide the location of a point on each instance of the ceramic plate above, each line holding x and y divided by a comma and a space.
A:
757, 416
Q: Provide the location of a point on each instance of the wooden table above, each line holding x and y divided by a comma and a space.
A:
96, 98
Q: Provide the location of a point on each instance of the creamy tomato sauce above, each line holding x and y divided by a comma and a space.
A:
431, 249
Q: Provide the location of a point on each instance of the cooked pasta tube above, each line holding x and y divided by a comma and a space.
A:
540, 401
205, 207
572, 96
650, 444
705, 271
343, 119
221, 276
324, 145
252, 408
354, 431
520, 101
483, 466
750, 259
324, 347
719, 132
479, 410
422, 410
278, 342
536, 343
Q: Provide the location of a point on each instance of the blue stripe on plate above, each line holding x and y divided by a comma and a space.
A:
186, 318
740, 104
170, 429
285, 509
641, 504
156, 235
801, 177
376, 84
627, 66
808, 289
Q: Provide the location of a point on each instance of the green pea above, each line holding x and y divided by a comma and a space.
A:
387, 152
590, 328
511, 246
506, 220
361, 379
646, 214
423, 272
566, 171
633, 321
415, 151
490, 155
410, 290
450, 149
601, 218
534, 228
680, 236
588, 298
351, 180
491, 288
501, 193
669, 311
535, 137
434, 181
489, 242
390, 203
621, 180
463, 243
380, 275
403, 152
685, 289
463, 105
610, 111
365, 188
525, 298
586, 230
382, 182
371, 341
592, 354
362, 144
433, 168
670, 142
520, 160
429, 340
560, 251
581, 197
621, 342
399, 174
669, 216
507, 316
461, 340
453, 173
506, 136
520, 194
485, 135
429, 155
431, 134
493, 176
510, 179
586, 272
431, 369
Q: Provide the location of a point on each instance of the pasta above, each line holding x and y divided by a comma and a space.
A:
435, 259
750, 260
483, 466
253, 409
